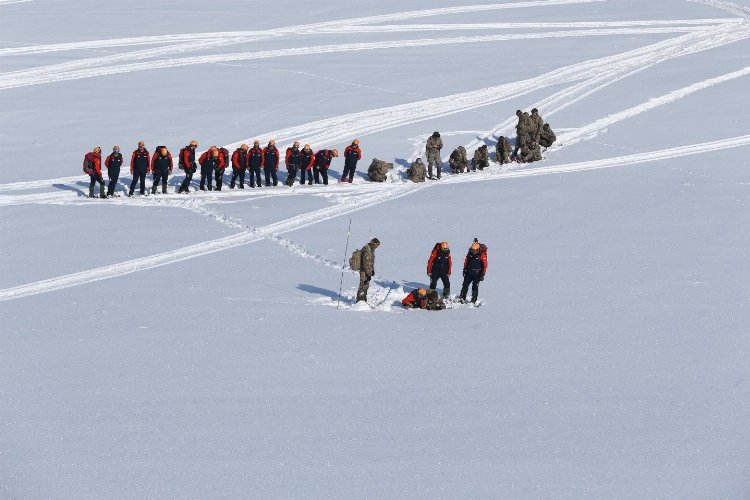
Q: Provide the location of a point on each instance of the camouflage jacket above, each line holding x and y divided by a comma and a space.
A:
458, 157
535, 124
368, 260
481, 155
548, 135
503, 146
434, 145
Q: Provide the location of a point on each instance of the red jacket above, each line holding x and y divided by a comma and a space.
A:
441, 261
412, 300
236, 159
145, 155
307, 158
204, 157
96, 161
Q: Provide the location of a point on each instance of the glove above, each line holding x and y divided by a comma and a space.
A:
131, 170
429, 275
481, 277
465, 273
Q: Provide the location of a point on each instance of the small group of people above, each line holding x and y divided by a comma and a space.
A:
532, 134
213, 164
439, 268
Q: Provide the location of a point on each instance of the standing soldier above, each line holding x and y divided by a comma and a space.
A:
535, 124
271, 162
292, 162
113, 163
475, 267
239, 164
140, 165
306, 160
352, 154
481, 158
502, 155
521, 131
92, 165
161, 165
186, 162
322, 164
547, 137
367, 269
439, 267
434, 145
255, 163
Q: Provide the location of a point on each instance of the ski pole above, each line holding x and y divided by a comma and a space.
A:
343, 261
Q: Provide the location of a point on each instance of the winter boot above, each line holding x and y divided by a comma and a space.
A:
446, 291
91, 191
153, 189
130, 194
102, 195
164, 190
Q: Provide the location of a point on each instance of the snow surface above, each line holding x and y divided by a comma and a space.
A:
197, 346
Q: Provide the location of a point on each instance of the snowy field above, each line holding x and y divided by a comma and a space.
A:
196, 346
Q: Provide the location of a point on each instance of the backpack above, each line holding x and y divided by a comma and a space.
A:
88, 163
180, 161
355, 262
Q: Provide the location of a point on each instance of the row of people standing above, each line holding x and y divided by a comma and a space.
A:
213, 163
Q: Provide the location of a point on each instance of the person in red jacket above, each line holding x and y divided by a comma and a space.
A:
439, 267
307, 158
352, 154
255, 163
475, 267
113, 162
239, 165
161, 165
186, 162
271, 162
210, 162
140, 166
322, 164
93, 167
416, 299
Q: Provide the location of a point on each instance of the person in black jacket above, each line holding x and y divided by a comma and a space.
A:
255, 163
439, 267
271, 162
239, 164
140, 165
161, 165
475, 267
307, 157
322, 163
292, 162
113, 162
352, 154
187, 163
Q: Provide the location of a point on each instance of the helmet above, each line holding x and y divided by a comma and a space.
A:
163, 150
97, 149
421, 292
335, 153
244, 146
444, 245
194, 143
271, 142
356, 141
307, 146
475, 247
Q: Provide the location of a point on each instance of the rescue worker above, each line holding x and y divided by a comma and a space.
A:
255, 163
352, 154
475, 267
458, 160
219, 170
161, 166
322, 164
481, 158
439, 267
271, 163
113, 162
433, 147
547, 137
306, 160
292, 162
417, 299
140, 165
239, 165
367, 269
503, 152
186, 162
210, 161
93, 166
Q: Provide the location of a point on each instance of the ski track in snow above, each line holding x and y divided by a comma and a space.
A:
725, 5
593, 79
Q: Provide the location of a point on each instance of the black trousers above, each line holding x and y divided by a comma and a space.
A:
219, 178
139, 175
270, 174
96, 178
113, 174
291, 174
473, 280
302, 176
185, 186
207, 175
254, 176
160, 176
238, 172
318, 173
446, 282
348, 171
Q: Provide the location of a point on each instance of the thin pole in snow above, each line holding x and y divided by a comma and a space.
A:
343, 262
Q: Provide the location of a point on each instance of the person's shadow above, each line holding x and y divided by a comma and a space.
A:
318, 291
66, 187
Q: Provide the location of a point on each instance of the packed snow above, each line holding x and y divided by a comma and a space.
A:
209, 344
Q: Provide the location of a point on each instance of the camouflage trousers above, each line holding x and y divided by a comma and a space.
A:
433, 158
364, 284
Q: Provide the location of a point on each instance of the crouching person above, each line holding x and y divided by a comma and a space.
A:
423, 299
